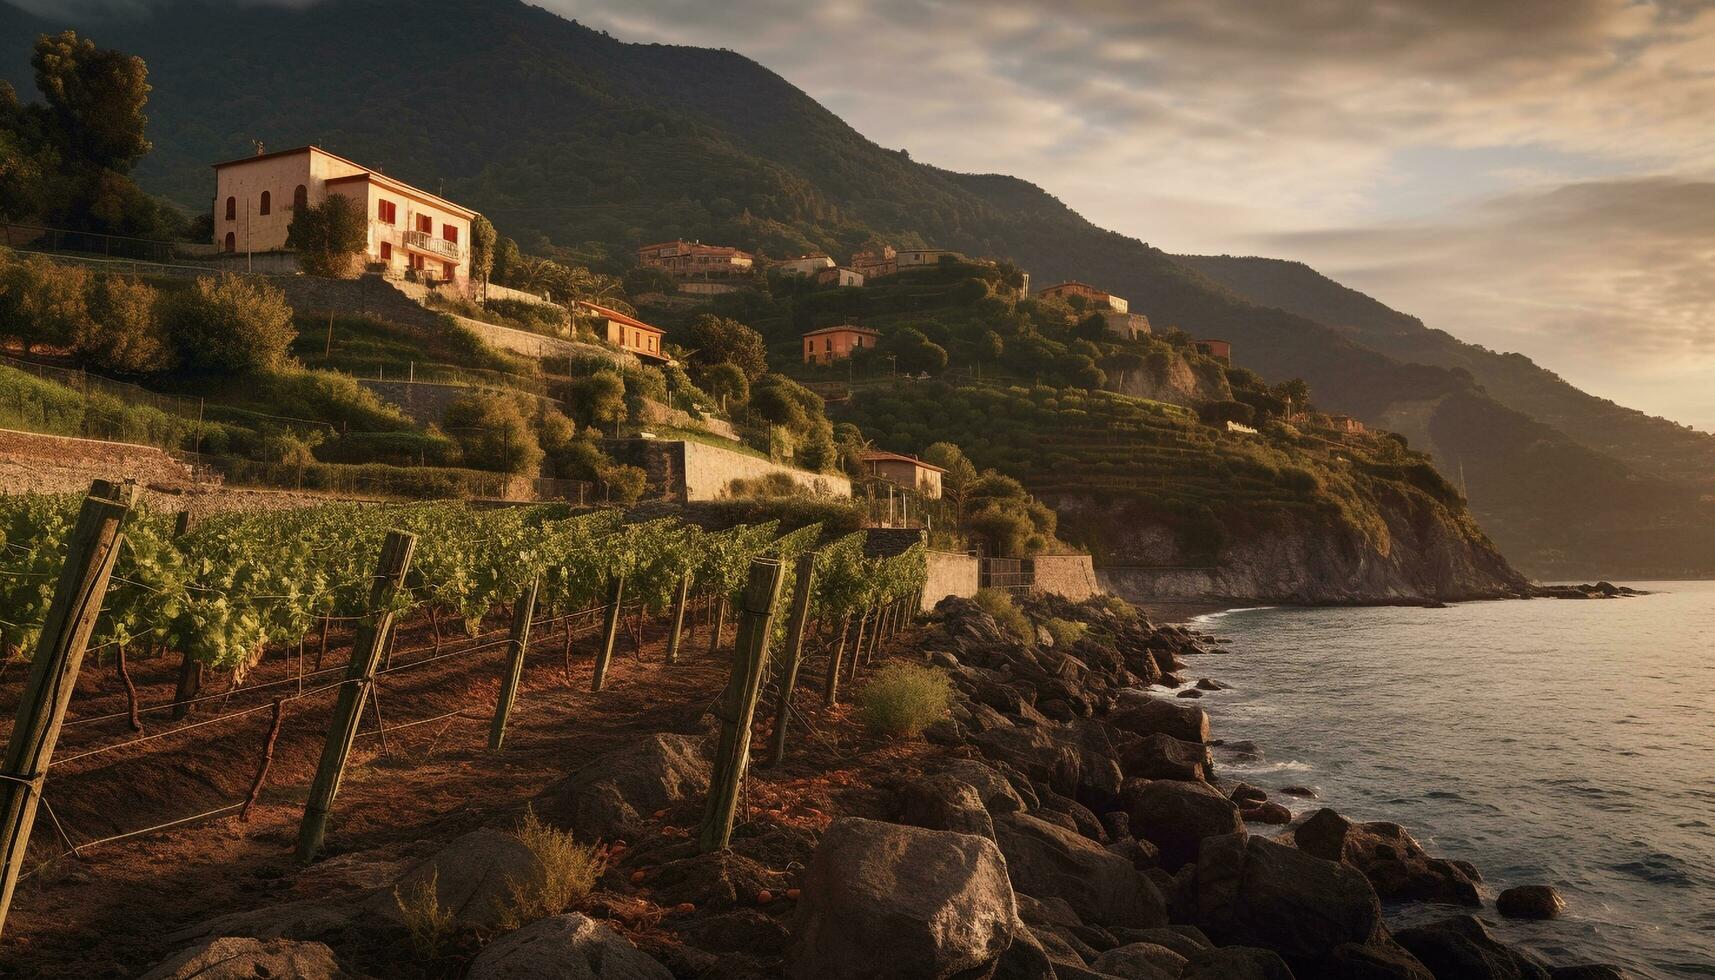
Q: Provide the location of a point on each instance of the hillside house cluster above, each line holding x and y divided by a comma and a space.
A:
830, 344
699, 269
625, 332
886, 260
907, 472
410, 230
1117, 318
1220, 350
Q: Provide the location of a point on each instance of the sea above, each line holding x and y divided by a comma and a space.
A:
1567, 742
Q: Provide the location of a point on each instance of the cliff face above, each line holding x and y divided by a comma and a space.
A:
1171, 378
1292, 556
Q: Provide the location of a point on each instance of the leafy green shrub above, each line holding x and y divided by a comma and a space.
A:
998, 603
1065, 631
494, 433
392, 448
123, 332
229, 324
43, 302
904, 699
328, 396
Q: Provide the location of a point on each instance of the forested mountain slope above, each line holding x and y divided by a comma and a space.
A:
580, 144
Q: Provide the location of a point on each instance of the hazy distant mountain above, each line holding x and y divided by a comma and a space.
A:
568, 137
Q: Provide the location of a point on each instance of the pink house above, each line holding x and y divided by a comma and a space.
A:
830, 344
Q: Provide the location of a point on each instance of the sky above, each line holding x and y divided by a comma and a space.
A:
1530, 175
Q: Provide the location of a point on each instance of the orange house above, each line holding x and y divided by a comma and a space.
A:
1220, 350
830, 344
626, 332
1095, 299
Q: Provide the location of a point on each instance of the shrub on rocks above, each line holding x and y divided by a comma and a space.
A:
469, 881
1046, 861
999, 605
565, 873
614, 793
564, 947
884, 900
904, 698
1176, 816
234, 958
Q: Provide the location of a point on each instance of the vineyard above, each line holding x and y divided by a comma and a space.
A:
251, 644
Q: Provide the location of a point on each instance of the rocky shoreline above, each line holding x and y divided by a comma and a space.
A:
1066, 819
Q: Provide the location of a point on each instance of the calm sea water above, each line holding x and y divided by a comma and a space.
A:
1567, 742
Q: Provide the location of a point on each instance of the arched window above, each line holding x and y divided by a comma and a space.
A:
231, 208
300, 198
267, 204
231, 242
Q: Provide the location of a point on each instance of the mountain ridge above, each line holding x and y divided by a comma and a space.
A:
604, 144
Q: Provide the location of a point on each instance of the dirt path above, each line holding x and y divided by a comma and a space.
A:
113, 909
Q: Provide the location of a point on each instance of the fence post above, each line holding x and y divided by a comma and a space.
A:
522, 610
737, 705
190, 668
609, 631
801, 588
679, 598
831, 687
366, 648
718, 625
78, 594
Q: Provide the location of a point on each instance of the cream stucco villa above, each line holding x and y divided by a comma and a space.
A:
410, 230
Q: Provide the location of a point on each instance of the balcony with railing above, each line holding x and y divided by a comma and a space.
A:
424, 241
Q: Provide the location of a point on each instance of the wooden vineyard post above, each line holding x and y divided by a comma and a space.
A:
718, 624
831, 687
678, 626
78, 594
737, 705
801, 587
372, 634
609, 631
190, 668
522, 610
857, 644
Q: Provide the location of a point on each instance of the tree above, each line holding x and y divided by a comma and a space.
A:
95, 98
598, 399
961, 472
229, 324
123, 333
727, 383
786, 403
330, 237
721, 340
1295, 392
494, 433
508, 263
1002, 512
482, 237
913, 352
649, 279
43, 302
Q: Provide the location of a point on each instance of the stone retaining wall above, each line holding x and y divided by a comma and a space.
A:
686, 471
949, 574
1071, 576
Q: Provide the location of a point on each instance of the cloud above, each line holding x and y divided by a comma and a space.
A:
1611, 282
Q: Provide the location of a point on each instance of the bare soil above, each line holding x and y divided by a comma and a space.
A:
112, 909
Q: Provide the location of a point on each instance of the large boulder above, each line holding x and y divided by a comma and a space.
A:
1046, 861
1236, 963
1160, 756
1530, 902
1143, 961
616, 792
1461, 946
1372, 961
944, 802
1176, 816
1034, 752
243, 958
472, 876
885, 900
564, 947
1144, 715
1396, 865
1250, 891
1000, 794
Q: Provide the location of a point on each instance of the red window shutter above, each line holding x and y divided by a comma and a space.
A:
450, 233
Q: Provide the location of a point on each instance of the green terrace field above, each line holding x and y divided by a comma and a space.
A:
1158, 457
